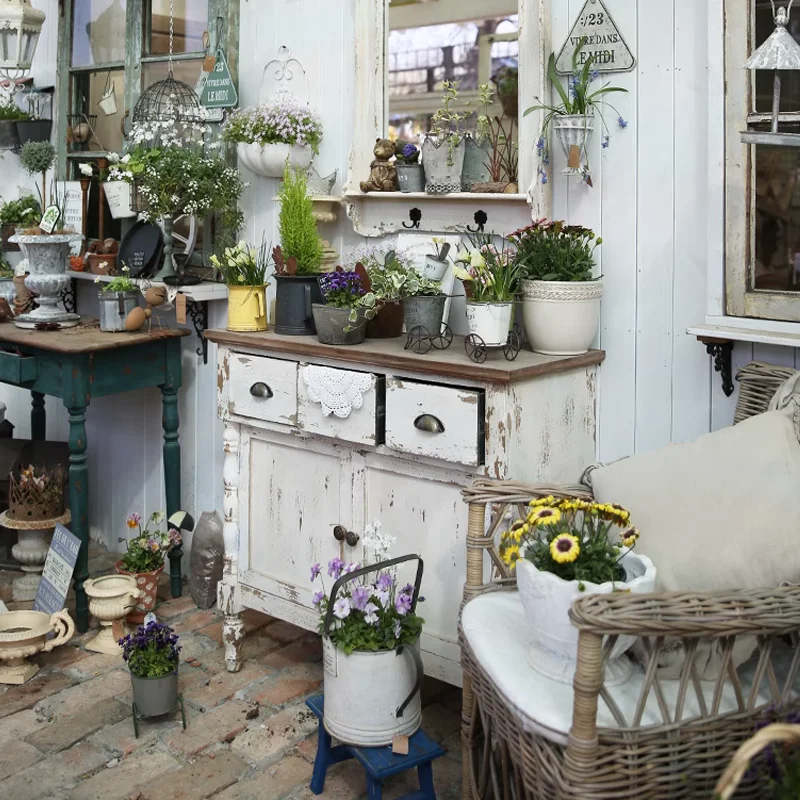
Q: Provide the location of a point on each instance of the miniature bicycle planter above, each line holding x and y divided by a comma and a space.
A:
420, 340
477, 349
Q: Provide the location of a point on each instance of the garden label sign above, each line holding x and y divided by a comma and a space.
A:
218, 89
603, 41
58, 571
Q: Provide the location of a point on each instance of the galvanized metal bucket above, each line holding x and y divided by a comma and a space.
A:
115, 307
334, 326
372, 697
425, 311
410, 177
155, 696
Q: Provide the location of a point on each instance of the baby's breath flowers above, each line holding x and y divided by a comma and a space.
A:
570, 537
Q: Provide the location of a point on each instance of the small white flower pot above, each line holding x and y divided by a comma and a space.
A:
118, 197
363, 692
561, 317
269, 161
490, 321
432, 269
546, 599
573, 130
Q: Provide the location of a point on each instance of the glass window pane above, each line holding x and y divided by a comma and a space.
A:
191, 20
790, 80
89, 89
776, 219
98, 32
187, 71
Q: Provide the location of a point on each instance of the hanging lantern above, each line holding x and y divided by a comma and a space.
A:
779, 52
20, 26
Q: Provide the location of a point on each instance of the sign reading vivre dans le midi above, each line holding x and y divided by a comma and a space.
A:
218, 90
603, 41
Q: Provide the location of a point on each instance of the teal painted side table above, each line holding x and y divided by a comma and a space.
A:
75, 365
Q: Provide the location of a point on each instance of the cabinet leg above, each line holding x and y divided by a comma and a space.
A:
229, 596
232, 638
172, 475
38, 417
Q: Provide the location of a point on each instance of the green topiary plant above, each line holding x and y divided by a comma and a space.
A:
300, 239
11, 113
37, 158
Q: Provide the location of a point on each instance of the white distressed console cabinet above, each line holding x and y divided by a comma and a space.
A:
427, 427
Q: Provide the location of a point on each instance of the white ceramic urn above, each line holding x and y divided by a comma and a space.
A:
111, 598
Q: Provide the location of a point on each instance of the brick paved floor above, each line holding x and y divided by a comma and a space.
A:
68, 735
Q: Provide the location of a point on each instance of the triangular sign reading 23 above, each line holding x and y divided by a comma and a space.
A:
218, 90
603, 41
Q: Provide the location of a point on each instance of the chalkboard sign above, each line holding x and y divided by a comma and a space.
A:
141, 249
58, 569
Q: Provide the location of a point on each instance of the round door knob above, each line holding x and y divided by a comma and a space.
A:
352, 538
339, 532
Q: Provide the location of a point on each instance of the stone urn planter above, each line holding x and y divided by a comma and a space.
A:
546, 599
334, 326
47, 264
443, 166
24, 634
490, 321
148, 583
110, 599
269, 161
561, 317
573, 130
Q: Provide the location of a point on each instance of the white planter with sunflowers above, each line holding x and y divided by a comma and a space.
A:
547, 598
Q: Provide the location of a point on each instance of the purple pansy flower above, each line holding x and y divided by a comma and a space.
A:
371, 614
315, 571
317, 598
360, 598
402, 605
335, 567
341, 608
384, 582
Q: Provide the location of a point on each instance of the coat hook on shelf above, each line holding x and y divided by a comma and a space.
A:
415, 215
480, 222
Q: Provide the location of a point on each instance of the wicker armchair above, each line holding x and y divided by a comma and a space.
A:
678, 736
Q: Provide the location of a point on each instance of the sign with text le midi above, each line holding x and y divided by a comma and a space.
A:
218, 90
58, 569
604, 42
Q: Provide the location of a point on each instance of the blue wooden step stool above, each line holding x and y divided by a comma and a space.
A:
379, 762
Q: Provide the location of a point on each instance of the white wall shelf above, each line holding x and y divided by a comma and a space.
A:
199, 293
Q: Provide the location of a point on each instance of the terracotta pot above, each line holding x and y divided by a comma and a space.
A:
387, 323
148, 583
96, 260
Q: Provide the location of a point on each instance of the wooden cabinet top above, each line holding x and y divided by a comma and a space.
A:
390, 354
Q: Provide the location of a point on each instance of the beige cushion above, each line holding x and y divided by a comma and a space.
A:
720, 513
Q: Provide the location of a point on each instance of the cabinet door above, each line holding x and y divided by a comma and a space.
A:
422, 507
294, 497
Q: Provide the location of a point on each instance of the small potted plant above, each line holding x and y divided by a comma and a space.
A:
117, 299
342, 316
410, 173
423, 305
24, 213
387, 285
562, 550
244, 270
477, 144
35, 128
491, 281
573, 120
10, 115
371, 633
101, 257
298, 260
118, 185
443, 148
560, 297
152, 654
269, 136
144, 558
436, 263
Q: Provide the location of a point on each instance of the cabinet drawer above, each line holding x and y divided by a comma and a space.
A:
263, 388
363, 425
443, 422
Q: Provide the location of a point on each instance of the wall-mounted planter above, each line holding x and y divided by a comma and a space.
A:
269, 161
9, 136
34, 130
574, 131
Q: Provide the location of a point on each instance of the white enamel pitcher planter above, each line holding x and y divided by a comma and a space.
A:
561, 317
573, 130
490, 321
371, 697
546, 599
269, 161
118, 197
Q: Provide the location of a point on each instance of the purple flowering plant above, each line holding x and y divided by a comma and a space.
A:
152, 651
371, 612
342, 289
284, 120
405, 152
146, 551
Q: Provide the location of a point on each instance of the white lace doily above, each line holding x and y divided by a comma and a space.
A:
336, 390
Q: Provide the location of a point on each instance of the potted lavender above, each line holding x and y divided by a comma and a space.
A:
152, 654
410, 173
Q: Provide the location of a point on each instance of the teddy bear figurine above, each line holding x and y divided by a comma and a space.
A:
382, 174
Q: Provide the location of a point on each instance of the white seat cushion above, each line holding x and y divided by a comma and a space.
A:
494, 626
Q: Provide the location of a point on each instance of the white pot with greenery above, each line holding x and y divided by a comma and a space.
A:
444, 147
560, 297
565, 549
269, 136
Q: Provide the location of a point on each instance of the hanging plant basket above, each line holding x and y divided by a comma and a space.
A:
574, 130
269, 160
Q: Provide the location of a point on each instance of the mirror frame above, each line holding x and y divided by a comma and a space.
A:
372, 96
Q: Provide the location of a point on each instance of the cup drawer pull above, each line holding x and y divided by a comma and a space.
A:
429, 423
261, 390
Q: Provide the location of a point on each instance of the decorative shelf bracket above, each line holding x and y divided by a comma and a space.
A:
722, 351
198, 312
69, 297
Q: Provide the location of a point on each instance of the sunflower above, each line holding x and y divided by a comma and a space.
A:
611, 512
565, 548
629, 536
574, 504
544, 516
511, 555
542, 501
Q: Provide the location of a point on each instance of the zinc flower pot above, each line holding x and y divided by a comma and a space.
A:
476, 157
269, 160
363, 692
334, 326
148, 583
155, 697
410, 177
490, 321
443, 166
34, 130
561, 317
114, 308
388, 322
295, 296
546, 600
573, 130
425, 311
247, 308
